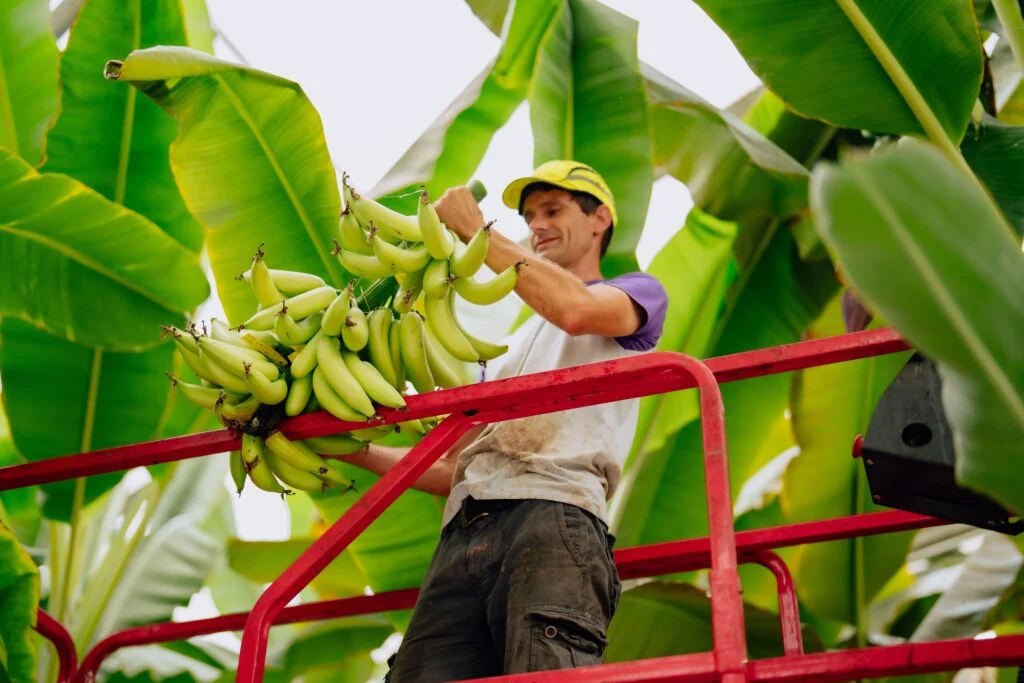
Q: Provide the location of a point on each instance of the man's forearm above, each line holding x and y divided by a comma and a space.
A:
551, 291
380, 459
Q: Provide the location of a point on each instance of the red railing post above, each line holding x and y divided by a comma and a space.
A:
54, 631
789, 608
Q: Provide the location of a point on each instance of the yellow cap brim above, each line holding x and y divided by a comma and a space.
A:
513, 193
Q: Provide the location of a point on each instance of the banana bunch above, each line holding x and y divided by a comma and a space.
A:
310, 346
429, 261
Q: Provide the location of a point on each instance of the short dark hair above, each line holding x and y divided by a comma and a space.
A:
588, 204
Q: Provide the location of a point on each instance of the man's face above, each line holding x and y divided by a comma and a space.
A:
559, 230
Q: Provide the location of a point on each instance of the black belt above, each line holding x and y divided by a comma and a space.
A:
473, 509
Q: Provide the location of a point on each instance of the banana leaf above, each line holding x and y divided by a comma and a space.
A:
251, 162
65, 267
897, 223
659, 619
449, 151
18, 508
338, 651
1007, 78
19, 598
995, 151
852, 63
831, 405
107, 136
588, 103
264, 561
28, 77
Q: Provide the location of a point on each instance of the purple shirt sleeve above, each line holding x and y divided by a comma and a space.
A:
652, 299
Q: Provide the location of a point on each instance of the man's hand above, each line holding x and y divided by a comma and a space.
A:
459, 211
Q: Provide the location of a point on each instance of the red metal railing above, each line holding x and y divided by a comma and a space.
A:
549, 392
52, 630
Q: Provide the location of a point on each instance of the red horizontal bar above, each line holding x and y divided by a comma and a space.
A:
822, 667
891, 660
497, 395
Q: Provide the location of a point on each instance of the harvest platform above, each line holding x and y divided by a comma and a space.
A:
548, 392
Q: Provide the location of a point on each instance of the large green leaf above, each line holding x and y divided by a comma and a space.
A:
332, 650
897, 223
18, 508
588, 103
98, 399
831, 405
107, 136
28, 76
853, 62
66, 265
251, 162
19, 598
693, 268
448, 152
660, 619
996, 153
264, 561
962, 609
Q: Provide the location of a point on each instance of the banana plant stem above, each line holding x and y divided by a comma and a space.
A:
1009, 14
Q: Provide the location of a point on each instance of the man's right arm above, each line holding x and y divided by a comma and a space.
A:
437, 480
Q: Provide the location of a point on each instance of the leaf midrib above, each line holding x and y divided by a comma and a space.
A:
332, 268
916, 259
86, 261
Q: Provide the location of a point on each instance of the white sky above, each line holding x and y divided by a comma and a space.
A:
380, 72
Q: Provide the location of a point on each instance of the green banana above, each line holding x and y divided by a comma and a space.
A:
289, 282
487, 350
441, 319
235, 359
414, 354
368, 434
364, 265
306, 359
262, 283
293, 477
204, 397
341, 379
440, 369
329, 400
376, 387
484, 293
334, 316
220, 331
369, 211
335, 444
182, 339
238, 473
238, 412
256, 466
378, 323
301, 457
299, 391
355, 332
351, 236
434, 235
297, 333
409, 291
267, 391
395, 349
264, 342
264, 319
435, 279
467, 259
210, 370
400, 259
306, 304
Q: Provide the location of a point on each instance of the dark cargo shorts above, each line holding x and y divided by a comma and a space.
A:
514, 586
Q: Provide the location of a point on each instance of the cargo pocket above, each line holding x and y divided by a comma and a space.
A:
564, 641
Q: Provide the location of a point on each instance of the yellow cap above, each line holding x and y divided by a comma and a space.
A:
568, 175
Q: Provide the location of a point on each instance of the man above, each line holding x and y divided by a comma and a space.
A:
523, 577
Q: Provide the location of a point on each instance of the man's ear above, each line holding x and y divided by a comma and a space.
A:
604, 215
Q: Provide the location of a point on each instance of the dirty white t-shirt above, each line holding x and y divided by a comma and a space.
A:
574, 456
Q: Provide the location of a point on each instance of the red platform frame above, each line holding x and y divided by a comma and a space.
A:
543, 393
